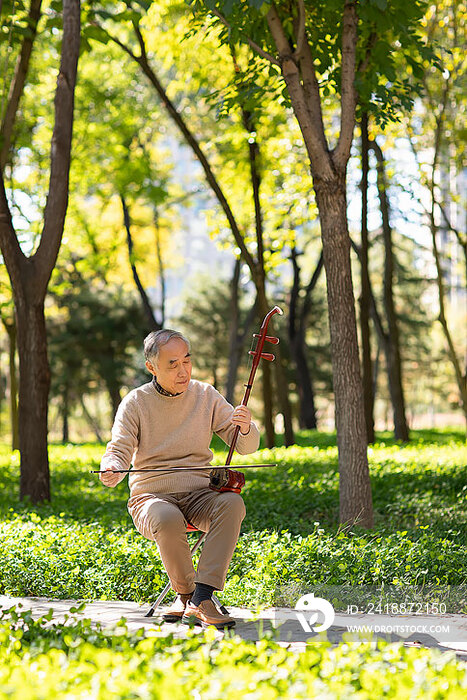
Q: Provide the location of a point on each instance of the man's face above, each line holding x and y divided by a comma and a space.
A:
172, 368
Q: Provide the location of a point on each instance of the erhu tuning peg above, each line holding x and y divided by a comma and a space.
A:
268, 356
269, 338
265, 355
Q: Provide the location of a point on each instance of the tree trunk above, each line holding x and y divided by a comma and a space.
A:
283, 396
393, 355
34, 384
296, 329
234, 349
10, 328
367, 371
30, 276
376, 367
115, 398
307, 416
237, 335
65, 416
328, 168
267, 405
355, 490
92, 422
160, 261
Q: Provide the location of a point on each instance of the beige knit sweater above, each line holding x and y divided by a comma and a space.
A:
152, 430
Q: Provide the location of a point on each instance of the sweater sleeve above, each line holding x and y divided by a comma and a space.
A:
125, 437
222, 426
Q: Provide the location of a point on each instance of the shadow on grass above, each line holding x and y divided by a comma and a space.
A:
424, 498
318, 438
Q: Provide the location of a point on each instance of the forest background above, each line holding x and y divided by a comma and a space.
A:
190, 203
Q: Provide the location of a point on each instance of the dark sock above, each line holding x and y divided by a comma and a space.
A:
202, 592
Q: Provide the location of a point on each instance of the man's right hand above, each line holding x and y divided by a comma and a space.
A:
108, 477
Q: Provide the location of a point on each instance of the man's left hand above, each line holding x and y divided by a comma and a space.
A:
242, 417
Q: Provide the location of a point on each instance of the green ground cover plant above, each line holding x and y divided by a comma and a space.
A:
83, 544
41, 660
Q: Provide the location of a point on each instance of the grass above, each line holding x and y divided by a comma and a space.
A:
83, 544
40, 660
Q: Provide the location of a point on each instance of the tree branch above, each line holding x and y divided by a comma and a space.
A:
447, 221
461, 239
312, 128
117, 41
301, 30
363, 65
250, 42
12, 253
192, 141
18, 82
280, 39
60, 155
311, 90
348, 91
141, 42
153, 324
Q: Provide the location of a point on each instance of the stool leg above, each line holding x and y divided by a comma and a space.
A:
198, 542
221, 607
157, 602
161, 597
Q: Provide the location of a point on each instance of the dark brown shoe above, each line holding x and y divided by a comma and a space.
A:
176, 610
206, 614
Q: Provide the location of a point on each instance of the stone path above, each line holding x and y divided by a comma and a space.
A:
444, 632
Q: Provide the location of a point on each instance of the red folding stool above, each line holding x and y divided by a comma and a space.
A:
196, 546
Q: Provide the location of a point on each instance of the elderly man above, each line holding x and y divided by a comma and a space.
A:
169, 422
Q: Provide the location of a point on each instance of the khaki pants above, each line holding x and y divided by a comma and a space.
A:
163, 518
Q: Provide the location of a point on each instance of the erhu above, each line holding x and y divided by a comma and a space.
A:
223, 479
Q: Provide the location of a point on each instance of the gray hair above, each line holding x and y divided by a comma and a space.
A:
155, 340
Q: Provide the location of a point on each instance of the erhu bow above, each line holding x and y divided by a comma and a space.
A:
223, 479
